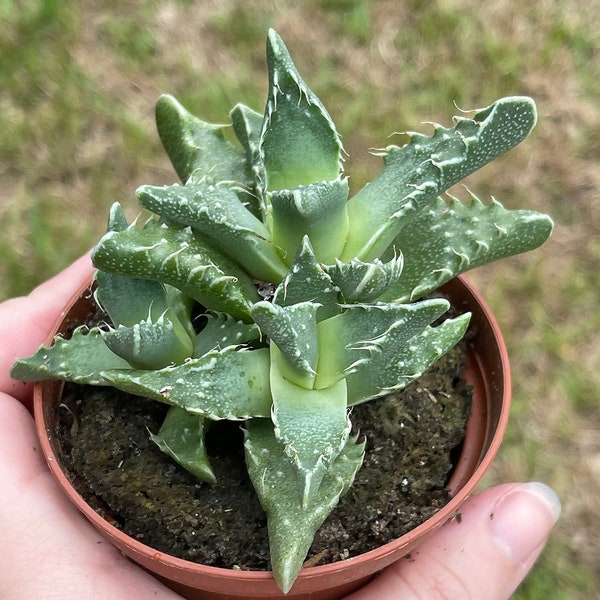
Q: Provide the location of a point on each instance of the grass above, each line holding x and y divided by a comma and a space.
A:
78, 84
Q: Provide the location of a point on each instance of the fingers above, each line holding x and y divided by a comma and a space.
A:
25, 322
45, 541
484, 554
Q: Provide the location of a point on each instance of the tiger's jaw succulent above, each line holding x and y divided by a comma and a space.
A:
311, 301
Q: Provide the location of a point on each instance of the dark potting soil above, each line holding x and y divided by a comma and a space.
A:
413, 439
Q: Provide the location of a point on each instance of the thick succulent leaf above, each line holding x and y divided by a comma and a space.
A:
247, 125
222, 330
392, 366
359, 281
217, 213
225, 384
151, 344
80, 358
317, 210
363, 332
291, 526
416, 173
181, 306
307, 281
127, 300
293, 329
117, 221
196, 147
447, 239
299, 142
312, 426
181, 436
178, 258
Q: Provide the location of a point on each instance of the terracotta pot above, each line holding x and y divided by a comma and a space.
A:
488, 373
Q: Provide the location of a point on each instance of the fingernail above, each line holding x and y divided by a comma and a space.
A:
522, 519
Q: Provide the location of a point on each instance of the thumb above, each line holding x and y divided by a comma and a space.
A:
25, 322
484, 553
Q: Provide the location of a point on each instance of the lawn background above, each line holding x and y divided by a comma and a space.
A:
78, 83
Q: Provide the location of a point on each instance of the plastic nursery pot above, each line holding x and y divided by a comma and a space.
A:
487, 371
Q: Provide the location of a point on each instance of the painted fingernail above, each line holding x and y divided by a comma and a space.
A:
522, 519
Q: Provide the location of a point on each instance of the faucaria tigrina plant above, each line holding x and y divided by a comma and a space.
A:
312, 301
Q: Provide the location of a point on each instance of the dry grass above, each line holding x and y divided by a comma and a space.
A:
77, 90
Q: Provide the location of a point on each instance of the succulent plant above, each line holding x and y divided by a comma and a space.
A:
259, 291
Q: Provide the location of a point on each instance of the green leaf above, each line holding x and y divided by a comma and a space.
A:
247, 125
293, 329
151, 344
291, 526
181, 307
359, 281
117, 221
312, 425
178, 258
447, 239
225, 384
299, 141
196, 147
307, 281
317, 210
218, 214
80, 359
415, 174
393, 366
222, 330
364, 332
127, 300
181, 436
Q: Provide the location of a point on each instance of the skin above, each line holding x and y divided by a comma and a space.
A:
483, 556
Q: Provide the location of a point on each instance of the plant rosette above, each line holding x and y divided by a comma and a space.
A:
259, 291
487, 372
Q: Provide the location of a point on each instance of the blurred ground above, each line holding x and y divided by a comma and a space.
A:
78, 82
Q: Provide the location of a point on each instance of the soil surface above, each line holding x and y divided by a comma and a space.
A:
413, 439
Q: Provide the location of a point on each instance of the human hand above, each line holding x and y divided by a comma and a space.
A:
48, 548
25, 323
483, 555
